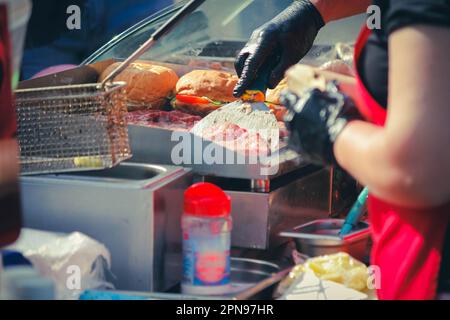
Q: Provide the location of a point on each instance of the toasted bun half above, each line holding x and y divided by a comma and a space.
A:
273, 98
273, 95
148, 86
216, 85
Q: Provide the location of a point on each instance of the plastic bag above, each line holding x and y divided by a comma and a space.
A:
74, 261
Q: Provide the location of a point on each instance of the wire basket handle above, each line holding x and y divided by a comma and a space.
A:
172, 22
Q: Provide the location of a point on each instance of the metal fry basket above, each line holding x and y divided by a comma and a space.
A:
72, 128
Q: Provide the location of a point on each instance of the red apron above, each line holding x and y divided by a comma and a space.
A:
407, 244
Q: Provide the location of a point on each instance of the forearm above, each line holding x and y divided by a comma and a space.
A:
353, 151
394, 173
9, 167
337, 9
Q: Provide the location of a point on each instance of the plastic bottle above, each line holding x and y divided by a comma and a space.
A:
206, 226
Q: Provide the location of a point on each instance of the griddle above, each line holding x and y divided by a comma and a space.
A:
155, 145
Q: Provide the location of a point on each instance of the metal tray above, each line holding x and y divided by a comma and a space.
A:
155, 145
320, 237
251, 279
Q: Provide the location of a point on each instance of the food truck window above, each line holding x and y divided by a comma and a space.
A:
217, 29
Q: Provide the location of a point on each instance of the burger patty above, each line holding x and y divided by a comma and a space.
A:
233, 137
172, 120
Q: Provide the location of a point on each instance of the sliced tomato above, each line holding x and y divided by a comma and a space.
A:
192, 99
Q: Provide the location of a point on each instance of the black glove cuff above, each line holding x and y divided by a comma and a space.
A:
316, 119
316, 16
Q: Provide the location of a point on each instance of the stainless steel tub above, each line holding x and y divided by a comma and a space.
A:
247, 273
250, 279
124, 172
134, 209
320, 237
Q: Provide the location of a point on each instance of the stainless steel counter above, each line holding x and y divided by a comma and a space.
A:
133, 209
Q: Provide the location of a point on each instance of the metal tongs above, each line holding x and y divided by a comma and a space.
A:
163, 30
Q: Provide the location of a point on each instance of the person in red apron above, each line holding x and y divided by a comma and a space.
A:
401, 155
10, 221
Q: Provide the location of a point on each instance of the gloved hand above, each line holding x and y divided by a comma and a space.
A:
280, 43
315, 121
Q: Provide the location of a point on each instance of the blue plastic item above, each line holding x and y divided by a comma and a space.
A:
13, 258
109, 295
355, 213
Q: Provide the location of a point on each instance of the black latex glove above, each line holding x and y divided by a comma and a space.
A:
315, 121
280, 43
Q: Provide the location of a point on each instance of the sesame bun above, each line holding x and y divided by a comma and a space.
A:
148, 86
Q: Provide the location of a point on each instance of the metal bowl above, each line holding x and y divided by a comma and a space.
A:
251, 279
320, 237
247, 273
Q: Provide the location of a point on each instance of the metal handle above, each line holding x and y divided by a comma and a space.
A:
355, 213
251, 292
187, 9
260, 83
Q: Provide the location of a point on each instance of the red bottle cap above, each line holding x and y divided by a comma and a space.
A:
206, 199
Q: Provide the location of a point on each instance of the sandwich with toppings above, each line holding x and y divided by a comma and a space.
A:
149, 86
200, 92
